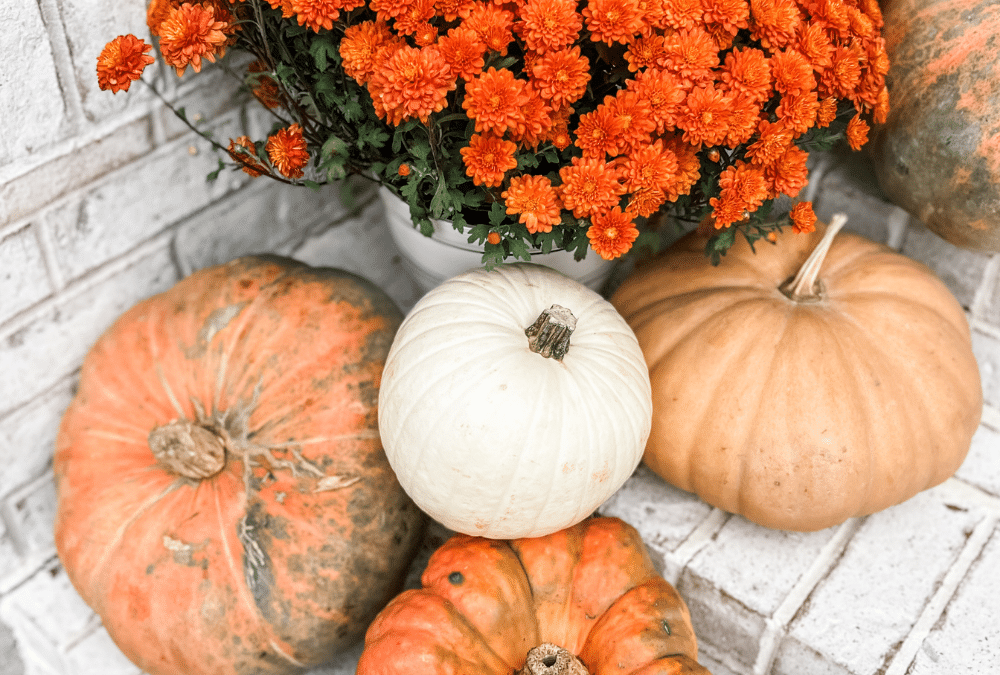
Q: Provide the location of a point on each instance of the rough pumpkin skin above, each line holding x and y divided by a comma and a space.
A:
281, 558
801, 414
484, 603
938, 153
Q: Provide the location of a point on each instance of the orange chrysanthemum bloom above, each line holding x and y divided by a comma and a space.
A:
463, 52
692, 54
798, 111
774, 139
600, 133
857, 132
679, 14
487, 158
744, 118
611, 21
451, 10
537, 121
549, 24
881, 110
495, 100
190, 33
589, 186
727, 209
704, 117
244, 153
728, 15
121, 62
558, 133
561, 76
534, 198
814, 43
842, 78
403, 170
664, 92
263, 86
747, 182
612, 233
688, 167
803, 218
790, 173
412, 83
774, 22
320, 14
284, 5
827, 112
636, 114
792, 72
388, 9
288, 151
748, 71
493, 238
360, 47
416, 21
646, 201
833, 13
649, 167
156, 12
493, 25
646, 52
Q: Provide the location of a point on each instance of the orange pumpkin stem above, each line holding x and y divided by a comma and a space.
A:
549, 335
550, 659
806, 285
188, 449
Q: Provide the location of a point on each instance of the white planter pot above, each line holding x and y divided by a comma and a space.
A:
447, 252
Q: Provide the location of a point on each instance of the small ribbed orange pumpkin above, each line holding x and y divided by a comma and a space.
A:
817, 379
583, 600
224, 502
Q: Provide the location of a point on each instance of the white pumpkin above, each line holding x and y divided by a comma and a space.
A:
493, 439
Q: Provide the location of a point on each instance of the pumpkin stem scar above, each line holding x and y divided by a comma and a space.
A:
805, 286
549, 335
550, 659
188, 449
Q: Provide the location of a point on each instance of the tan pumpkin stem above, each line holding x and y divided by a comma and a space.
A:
806, 286
549, 335
550, 659
188, 449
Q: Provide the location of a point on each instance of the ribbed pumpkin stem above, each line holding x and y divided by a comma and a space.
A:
806, 286
188, 449
550, 659
549, 335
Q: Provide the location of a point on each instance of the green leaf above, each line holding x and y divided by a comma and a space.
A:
322, 50
213, 175
497, 214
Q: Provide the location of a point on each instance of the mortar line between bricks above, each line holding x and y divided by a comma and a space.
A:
777, 623
63, 59
44, 238
985, 327
965, 494
699, 537
991, 417
989, 282
939, 601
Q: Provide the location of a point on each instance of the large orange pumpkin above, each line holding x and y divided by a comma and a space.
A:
817, 379
938, 153
224, 502
582, 600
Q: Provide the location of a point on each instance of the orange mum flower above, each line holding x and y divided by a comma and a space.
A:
881, 110
611, 233
774, 22
646, 52
645, 202
612, 21
412, 83
664, 92
678, 14
790, 173
774, 139
549, 24
636, 114
744, 117
454, 9
534, 198
537, 120
728, 15
600, 133
244, 152
792, 72
263, 86
705, 116
463, 52
649, 167
843, 76
857, 132
403, 170
121, 61
360, 47
746, 182
558, 132
189, 33
727, 209
389, 9
495, 100
561, 76
803, 218
156, 12
798, 111
487, 158
589, 186
492, 25
692, 54
833, 13
814, 42
416, 21
320, 14
288, 151
748, 71
688, 167
827, 112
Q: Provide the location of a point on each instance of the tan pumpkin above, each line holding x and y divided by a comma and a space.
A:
224, 502
584, 600
817, 379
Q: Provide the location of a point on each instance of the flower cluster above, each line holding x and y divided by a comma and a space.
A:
544, 123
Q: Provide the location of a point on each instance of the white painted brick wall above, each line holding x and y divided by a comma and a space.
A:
103, 202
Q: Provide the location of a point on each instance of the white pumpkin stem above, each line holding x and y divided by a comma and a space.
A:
550, 659
188, 449
806, 286
549, 335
